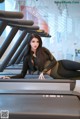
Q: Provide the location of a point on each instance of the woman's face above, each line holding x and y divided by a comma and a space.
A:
34, 44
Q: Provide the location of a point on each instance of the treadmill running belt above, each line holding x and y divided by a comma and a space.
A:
40, 106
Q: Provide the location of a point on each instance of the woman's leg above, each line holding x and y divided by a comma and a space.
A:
70, 65
67, 71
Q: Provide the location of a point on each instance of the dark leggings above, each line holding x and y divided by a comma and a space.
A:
69, 69
71, 65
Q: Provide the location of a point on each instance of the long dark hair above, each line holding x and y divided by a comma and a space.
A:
40, 53
30, 37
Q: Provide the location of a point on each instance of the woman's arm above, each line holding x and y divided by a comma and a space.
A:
24, 69
52, 61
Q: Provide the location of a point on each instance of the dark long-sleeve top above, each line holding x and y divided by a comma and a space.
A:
32, 63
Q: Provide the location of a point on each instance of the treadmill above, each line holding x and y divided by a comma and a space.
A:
36, 99
39, 104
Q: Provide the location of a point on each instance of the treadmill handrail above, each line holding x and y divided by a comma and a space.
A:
24, 27
17, 21
11, 14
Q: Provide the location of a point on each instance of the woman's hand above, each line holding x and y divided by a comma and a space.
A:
5, 77
41, 76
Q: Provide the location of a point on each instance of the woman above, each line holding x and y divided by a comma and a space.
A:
39, 58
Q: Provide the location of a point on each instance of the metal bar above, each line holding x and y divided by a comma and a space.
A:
7, 59
8, 40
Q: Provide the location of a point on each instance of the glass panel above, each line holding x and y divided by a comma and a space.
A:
61, 19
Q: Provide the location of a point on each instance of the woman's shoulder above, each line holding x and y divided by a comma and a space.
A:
26, 57
45, 49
